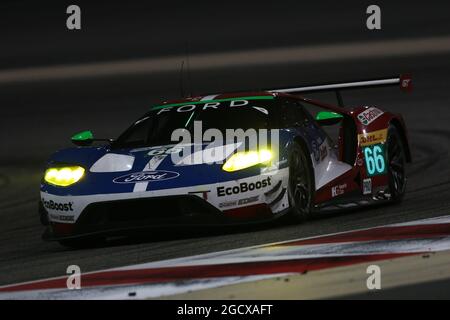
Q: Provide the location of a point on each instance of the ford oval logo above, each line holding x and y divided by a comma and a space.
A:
146, 176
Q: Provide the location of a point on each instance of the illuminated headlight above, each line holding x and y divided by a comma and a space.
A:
63, 176
242, 160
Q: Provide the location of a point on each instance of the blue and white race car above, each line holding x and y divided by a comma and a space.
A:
309, 157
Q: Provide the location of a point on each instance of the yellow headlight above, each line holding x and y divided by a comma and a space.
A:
242, 160
64, 176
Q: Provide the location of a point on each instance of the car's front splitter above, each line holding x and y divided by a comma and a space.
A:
251, 215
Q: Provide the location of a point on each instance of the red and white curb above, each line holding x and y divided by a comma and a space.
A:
167, 277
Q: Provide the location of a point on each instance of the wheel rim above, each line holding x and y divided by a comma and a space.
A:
298, 182
396, 160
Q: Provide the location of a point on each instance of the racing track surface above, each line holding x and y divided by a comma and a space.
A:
39, 117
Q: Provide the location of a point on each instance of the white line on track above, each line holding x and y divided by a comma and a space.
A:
410, 246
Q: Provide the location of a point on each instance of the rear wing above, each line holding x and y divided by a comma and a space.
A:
403, 81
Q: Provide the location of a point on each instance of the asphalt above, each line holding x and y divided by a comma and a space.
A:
39, 117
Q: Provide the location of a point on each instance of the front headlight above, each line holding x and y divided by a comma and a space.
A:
63, 176
242, 160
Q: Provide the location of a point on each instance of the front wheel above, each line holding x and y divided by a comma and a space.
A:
301, 183
396, 164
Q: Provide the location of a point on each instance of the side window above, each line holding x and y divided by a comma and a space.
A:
134, 136
292, 114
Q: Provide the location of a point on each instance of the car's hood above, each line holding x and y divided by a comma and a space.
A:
145, 169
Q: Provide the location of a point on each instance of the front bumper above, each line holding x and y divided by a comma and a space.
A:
128, 217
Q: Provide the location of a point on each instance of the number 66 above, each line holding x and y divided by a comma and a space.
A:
375, 161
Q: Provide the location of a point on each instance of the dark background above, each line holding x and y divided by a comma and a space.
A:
37, 116
42, 114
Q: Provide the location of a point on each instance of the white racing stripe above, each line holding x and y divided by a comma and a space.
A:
152, 165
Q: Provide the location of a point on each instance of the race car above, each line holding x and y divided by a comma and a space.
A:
309, 157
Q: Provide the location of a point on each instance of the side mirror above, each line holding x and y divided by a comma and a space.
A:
328, 118
83, 138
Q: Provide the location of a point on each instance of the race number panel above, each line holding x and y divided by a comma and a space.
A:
375, 158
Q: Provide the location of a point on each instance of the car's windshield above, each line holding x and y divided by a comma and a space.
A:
157, 126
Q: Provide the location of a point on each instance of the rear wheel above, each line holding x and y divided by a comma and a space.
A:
396, 164
301, 183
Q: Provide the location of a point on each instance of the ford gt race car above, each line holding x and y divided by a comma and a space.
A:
309, 157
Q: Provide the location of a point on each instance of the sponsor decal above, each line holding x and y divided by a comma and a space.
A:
58, 206
62, 218
368, 116
374, 137
209, 104
234, 203
338, 190
146, 176
375, 157
228, 204
367, 186
243, 187
193, 106
248, 200
406, 82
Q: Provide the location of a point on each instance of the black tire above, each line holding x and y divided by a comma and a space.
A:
301, 183
396, 158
